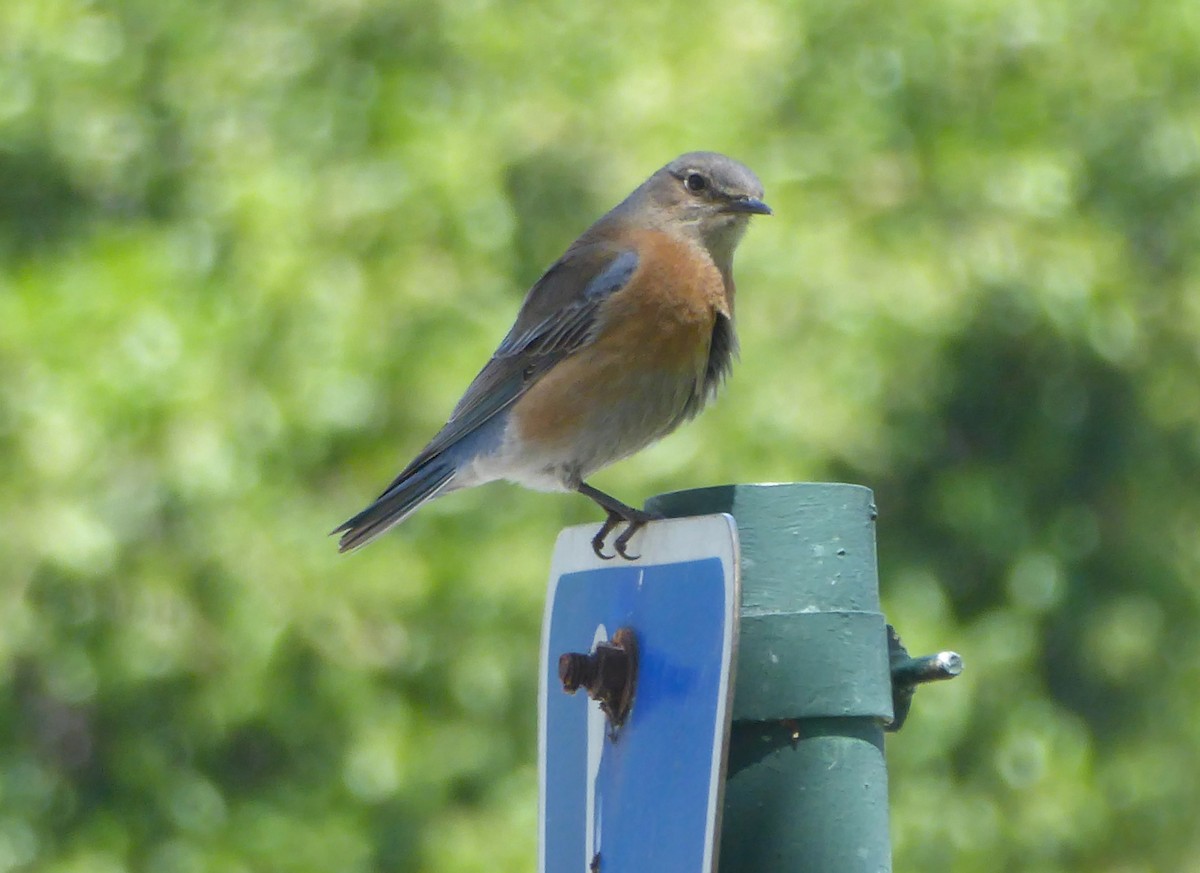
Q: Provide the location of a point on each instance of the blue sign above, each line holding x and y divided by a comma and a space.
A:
645, 796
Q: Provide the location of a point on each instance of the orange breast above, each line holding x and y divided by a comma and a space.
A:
648, 355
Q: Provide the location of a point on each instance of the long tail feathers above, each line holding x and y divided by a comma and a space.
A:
394, 505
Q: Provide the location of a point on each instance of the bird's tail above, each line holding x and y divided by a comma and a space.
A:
398, 502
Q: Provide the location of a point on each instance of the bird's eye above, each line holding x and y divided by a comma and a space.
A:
695, 182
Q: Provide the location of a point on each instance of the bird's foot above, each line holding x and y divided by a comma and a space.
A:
634, 521
618, 512
605, 529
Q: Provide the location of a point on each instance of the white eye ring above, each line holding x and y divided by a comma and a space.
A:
694, 182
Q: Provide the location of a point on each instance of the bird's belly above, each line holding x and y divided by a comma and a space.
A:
596, 408
514, 460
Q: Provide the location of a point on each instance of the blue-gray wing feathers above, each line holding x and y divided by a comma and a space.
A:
558, 317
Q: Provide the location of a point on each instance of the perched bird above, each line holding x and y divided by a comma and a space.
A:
625, 337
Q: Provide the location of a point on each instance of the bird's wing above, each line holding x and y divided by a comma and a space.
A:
557, 318
559, 311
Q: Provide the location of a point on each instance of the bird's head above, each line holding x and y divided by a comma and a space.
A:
706, 196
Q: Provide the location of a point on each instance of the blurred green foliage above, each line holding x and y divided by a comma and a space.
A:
250, 253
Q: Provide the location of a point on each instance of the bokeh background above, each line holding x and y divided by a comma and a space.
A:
251, 252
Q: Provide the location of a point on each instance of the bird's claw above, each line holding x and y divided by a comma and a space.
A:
605, 529
621, 543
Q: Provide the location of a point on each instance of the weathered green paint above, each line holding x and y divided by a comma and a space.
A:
806, 790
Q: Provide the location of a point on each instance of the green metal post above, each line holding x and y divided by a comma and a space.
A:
806, 787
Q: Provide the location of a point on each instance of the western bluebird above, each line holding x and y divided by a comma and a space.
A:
625, 337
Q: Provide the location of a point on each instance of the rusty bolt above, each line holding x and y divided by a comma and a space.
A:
608, 674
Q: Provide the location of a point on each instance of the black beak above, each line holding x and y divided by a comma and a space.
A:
747, 206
